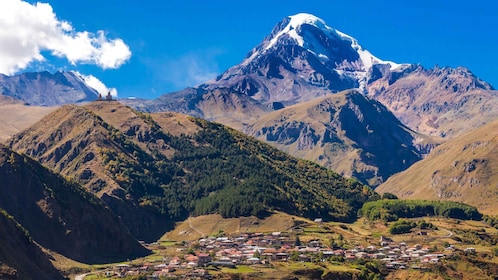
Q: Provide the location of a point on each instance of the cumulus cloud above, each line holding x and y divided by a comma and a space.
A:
27, 30
98, 85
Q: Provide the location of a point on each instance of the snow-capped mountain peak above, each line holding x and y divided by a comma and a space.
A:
303, 58
294, 22
319, 42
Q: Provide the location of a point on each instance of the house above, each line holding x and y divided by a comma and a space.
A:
253, 260
304, 258
379, 256
385, 240
163, 267
204, 259
361, 255
121, 267
282, 256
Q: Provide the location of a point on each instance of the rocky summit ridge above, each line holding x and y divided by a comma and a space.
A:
302, 58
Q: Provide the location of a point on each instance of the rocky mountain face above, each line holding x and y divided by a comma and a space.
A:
301, 59
441, 102
61, 216
346, 132
463, 169
221, 104
46, 89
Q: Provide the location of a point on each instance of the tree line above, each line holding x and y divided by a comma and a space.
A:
393, 209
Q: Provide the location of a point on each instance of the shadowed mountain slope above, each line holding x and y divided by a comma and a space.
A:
61, 216
20, 257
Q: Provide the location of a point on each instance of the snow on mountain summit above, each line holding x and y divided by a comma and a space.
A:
302, 58
293, 27
296, 21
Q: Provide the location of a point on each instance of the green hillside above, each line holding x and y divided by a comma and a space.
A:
144, 169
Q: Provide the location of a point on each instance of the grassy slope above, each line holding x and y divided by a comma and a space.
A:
15, 117
464, 169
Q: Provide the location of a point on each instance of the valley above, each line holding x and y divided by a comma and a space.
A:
311, 159
304, 249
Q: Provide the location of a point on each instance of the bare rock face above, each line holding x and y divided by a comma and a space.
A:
347, 132
441, 102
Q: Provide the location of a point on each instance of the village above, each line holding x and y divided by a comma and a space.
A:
195, 259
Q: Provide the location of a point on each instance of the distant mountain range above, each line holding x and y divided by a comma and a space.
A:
441, 102
47, 89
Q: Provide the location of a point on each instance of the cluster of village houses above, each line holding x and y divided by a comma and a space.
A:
260, 249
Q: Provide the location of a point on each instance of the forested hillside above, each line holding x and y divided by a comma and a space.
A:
141, 166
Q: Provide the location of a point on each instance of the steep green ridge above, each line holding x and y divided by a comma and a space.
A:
20, 257
60, 215
232, 174
146, 170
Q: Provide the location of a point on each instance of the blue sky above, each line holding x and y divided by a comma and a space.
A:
174, 44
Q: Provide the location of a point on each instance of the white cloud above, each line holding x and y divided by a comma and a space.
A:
97, 84
26, 30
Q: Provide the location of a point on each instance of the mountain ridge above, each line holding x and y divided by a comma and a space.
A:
20, 256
